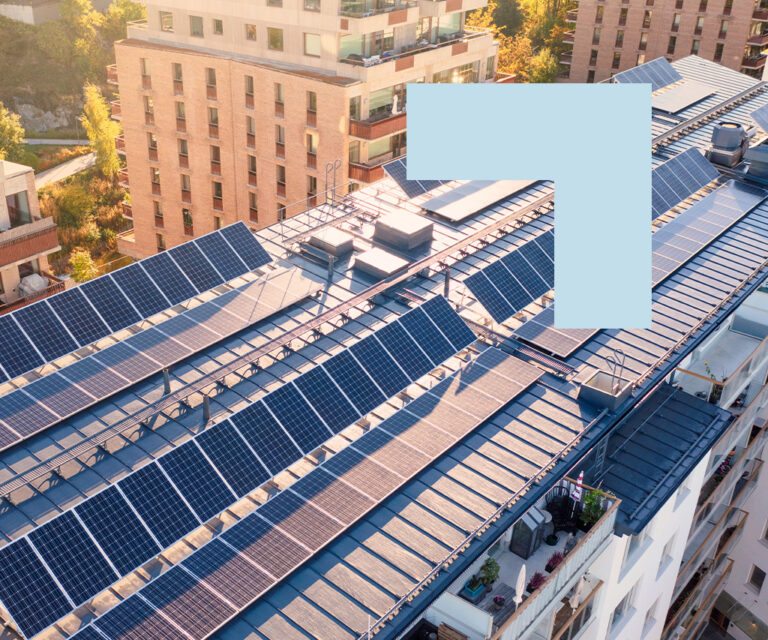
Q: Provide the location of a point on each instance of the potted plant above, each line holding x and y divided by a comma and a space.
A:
554, 561
592, 509
551, 539
473, 588
498, 602
489, 571
537, 579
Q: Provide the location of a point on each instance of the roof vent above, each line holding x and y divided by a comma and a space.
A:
606, 390
333, 241
729, 142
403, 231
758, 161
379, 263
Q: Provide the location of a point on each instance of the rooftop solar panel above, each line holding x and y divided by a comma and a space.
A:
469, 198
45, 330
760, 116
326, 398
659, 73
449, 322
221, 255
158, 346
380, 365
23, 414
678, 178
88, 633
540, 331
140, 290
111, 304
58, 394
79, 316
266, 437
167, 276
409, 355
133, 619
130, 363
17, 355
196, 266
246, 246
681, 96
93, 377
398, 171
304, 522
358, 386
422, 330
298, 418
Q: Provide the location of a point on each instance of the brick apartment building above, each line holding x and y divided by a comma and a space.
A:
233, 111
614, 35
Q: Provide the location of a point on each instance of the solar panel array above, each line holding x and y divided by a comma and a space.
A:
681, 96
120, 528
678, 178
540, 331
67, 321
760, 116
397, 170
44, 402
659, 73
231, 571
682, 238
508, 285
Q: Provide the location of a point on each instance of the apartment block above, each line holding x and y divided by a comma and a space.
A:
252, 112
26, 239
609, 36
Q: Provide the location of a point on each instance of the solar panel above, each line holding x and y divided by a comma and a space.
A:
23, 414
307, 524
133, 619
130, 363
93, 377
398, 171
111, 304
228, 573
659, 73
326, 398
169, 278
188, 333
45, 330
140, 290
229, 453
546, 241
526, 275
117, 530
404, 350
58, 394
329, 494
27, 590
221, 255
760, 116
266, 437
196, 266
690, 231
489, 296
17, 355
159, 504
540, 331
192, 606
678, 178
72, 556
293, 412
158, 346
430, 339
467, 199
246, 246
542, 264
87, 633
79, 316
681, 96
449, 322
380, 366
358, 386
197, 480
509, 286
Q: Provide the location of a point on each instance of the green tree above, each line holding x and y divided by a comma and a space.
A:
83, 24
544, 67
117, 15
11, 135
75, 206
53, 40
101, 131
83, 267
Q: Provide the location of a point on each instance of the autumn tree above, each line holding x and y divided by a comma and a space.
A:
83, 267
11, 135
83, 23
117, 16
101, 131
543, 67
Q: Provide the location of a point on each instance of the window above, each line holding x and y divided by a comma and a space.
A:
160, 242
599, 14
213, 116
671, 45
280, 174
252, 165
253, 206
186, 184
728, 7
676, 22
249, 87
210, 77
279, 94
695, 46
619, 39
647, 19
279, 134
196, 26
215, 154
596, 35
149, 105
490, 63
178, 75
166, 21
181, 112
621, 610
158, 206
591, 76
250, 32
699, 25
152, 141
640, 59
274, 3
217, 222
723, 29
616, 60
678, 4
650, 619
183, 147
250, 126
756, 577
354, 108
623, 16
186, 217
154, 175
718, 52
145, 69
275, 39
666, 556
281, 212
311, 185
218, 190
354, 151
311, 5
311, 101
643, 45
311, 143
593, 57
703, 5
218, 27
311, 45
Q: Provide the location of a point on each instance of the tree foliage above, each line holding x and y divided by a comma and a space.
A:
101, 131
82, 265
543, 67
11, 135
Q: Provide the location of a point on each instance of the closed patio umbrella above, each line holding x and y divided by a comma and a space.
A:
520, 587
576, 595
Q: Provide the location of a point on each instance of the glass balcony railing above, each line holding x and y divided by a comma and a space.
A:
365, 8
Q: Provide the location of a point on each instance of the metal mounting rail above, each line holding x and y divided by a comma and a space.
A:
178, 396
709, 114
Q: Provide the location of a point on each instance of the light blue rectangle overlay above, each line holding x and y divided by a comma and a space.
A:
594, 141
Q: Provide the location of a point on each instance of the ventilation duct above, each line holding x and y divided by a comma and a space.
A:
729, 142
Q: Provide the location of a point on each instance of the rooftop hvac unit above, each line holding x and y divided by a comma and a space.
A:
729, 142
403, 231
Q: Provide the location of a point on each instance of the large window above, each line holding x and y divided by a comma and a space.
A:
196, 26
18, 209
275, 39
756, 577
622, 609
465, 73
312, 45
166, 21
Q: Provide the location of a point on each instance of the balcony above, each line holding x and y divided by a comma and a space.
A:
136, 29
126, 244
27, 240
569, 37
311, 118
571, 15
753, 62
54, 286
122, 178
760, 14
377, 126
365, 173
495, 619
120, 144
117, 112
566, 58
438, 8
127, 209
368, 16
758, 39
365, 8
112, 74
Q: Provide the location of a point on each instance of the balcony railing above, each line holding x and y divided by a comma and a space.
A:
112, 74
377, 127
54, 286
27, 240
569, 37
122, 178
117, 112
572, 15
363, 9
120, 143
758, 40
566, 58
761, 15
365, 173
753, 62
127, 209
